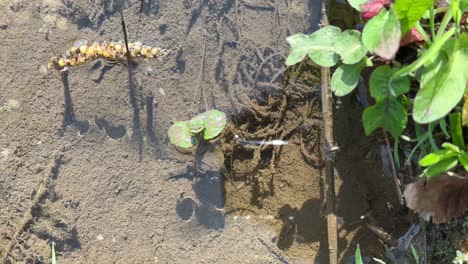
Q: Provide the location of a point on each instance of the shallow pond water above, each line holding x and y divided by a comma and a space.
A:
87, 162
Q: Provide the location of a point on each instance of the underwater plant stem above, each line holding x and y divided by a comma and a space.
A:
396, 181
327, 111
429, 54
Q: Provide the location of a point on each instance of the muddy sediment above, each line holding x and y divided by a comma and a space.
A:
114, 194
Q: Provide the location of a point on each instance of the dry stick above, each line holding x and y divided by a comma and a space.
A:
327, 110
40, 193
394, 172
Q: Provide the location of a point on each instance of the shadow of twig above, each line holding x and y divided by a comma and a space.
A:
154, 141
137, 134
69, 115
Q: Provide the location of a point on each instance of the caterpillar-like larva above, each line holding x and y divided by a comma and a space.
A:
110, 51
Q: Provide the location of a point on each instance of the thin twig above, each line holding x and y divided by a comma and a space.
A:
327, 110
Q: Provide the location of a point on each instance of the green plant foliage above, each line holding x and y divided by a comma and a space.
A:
54, 258
382, 34
346, 78
180, 135
357, 255
441, 167
388, 113
410, 11
318, 45
414, 252
441, 92
437, 156
349, 46
356, 4
456, 130
185, 134
381, 85
445, 159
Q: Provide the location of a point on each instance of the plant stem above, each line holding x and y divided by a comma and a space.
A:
444, 23
431, 20
429, 54
423, 33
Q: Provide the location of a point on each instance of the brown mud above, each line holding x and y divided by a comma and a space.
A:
86, 163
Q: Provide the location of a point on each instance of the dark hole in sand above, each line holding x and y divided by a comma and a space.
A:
185, 208
114, 132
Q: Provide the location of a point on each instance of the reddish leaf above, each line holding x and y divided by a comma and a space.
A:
372, 8
443, 198
411, 37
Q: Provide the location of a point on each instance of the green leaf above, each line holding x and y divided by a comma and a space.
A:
436, 156
53, 258
442, 91
443, 127
411, 11
318, 45
456, 130
463, 5
465, 109
451, 147
356, 4
357, 255
441, 167
463, 158
381, 87
389, 114
349, 46
415, 254
346, 78
382, 34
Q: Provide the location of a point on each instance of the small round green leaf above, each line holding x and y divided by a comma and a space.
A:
179, 135
214, 121
346, 78
349, 46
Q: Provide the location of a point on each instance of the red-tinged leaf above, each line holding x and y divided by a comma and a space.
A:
411, 37
372, 8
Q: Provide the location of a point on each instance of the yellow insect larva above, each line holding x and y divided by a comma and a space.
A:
83, 48
91, 51
118, 47
81, 58
98, 50
137, 47
82, 52
155, 51
74, 50
72, 61
61, 62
